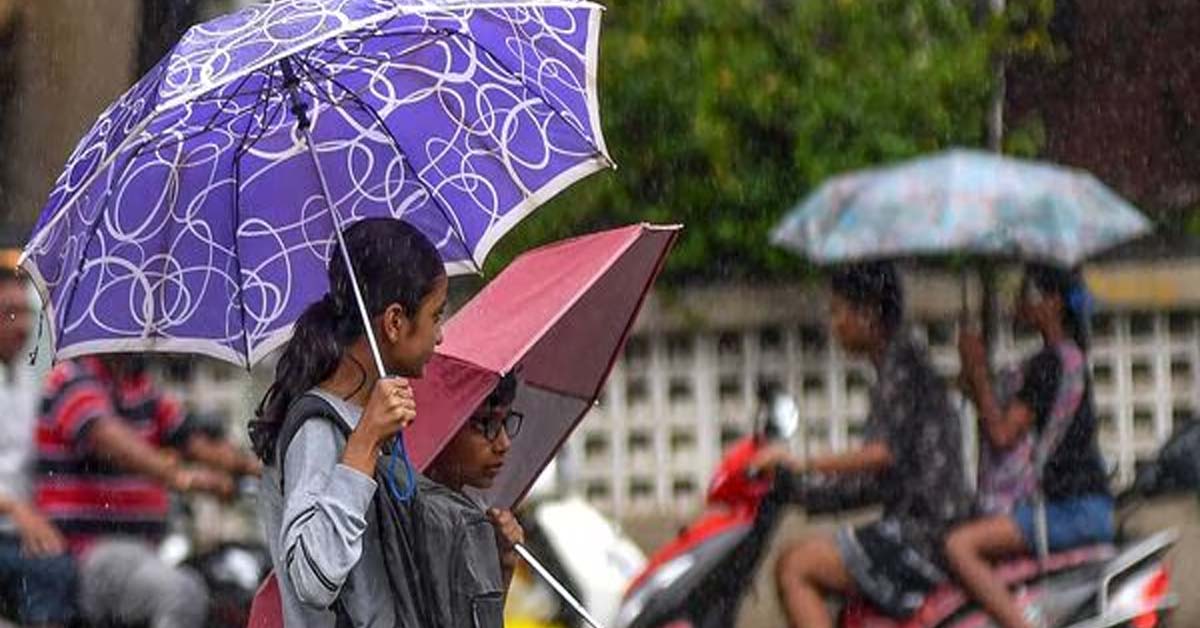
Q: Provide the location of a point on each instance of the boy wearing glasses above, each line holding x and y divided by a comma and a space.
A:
475, 456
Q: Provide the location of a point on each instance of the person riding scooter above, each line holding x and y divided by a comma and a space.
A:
1042, 439
911, 454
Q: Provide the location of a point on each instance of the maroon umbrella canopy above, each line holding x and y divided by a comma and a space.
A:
558, 315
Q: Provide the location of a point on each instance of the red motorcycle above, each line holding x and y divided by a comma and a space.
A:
698, 579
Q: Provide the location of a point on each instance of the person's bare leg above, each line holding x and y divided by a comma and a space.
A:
969, 549
807, 571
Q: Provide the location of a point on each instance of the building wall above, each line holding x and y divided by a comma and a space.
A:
682, 393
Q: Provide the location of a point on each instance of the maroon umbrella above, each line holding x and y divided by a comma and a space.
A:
558, 315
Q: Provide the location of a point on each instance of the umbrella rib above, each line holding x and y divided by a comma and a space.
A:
237, 248
263, 105
309, 70
204, 127
87, 243
540, 95
130, 139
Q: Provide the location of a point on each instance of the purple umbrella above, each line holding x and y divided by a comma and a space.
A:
196, 216
199, 212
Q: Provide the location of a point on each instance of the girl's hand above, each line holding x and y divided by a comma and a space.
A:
972, 352
390, 408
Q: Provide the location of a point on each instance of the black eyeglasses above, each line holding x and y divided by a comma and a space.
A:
490, 427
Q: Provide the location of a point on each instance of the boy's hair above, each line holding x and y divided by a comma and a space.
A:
874, 286
505, 391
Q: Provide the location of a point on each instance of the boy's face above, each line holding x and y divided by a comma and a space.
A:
471, 456
16, 319
855, 329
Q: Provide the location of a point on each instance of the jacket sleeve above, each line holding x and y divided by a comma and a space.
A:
324, 514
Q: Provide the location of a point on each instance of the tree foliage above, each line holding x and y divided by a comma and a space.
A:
722, 114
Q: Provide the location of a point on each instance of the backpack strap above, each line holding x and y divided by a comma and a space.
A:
308, 406
311, 406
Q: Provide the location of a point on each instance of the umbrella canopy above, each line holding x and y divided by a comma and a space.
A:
961, 202
559, 317
195, 216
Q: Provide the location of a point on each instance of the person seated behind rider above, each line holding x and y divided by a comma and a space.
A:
1050, 420
911, 456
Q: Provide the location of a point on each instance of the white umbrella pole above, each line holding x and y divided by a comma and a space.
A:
370, 331
556, 585
337, 230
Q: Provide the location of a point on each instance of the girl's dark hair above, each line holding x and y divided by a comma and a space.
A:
1068, 284
874, 286
395, 263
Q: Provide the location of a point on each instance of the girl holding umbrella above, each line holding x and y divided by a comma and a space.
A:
1050, 423
343, 547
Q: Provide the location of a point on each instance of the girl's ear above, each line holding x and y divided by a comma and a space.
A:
395, 323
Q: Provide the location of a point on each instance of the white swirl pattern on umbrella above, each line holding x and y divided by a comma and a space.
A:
191, 217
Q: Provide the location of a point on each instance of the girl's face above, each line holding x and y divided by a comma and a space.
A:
1036, 308
475, 456
409, 340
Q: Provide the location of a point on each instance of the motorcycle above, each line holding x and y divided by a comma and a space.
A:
231, 568
715, 556
698, 580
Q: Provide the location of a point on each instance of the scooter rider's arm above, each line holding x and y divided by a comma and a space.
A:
111, 439
870, 458
221, 454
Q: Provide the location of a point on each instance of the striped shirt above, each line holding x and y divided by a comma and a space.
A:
85, 496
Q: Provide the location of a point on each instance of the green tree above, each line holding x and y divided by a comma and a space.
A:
722, 114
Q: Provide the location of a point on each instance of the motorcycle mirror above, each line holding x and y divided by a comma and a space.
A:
1112, 467
783, 417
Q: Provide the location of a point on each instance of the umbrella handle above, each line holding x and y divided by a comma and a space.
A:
400, 452
556, 585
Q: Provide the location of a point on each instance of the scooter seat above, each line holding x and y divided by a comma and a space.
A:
947, 598
1026, 567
